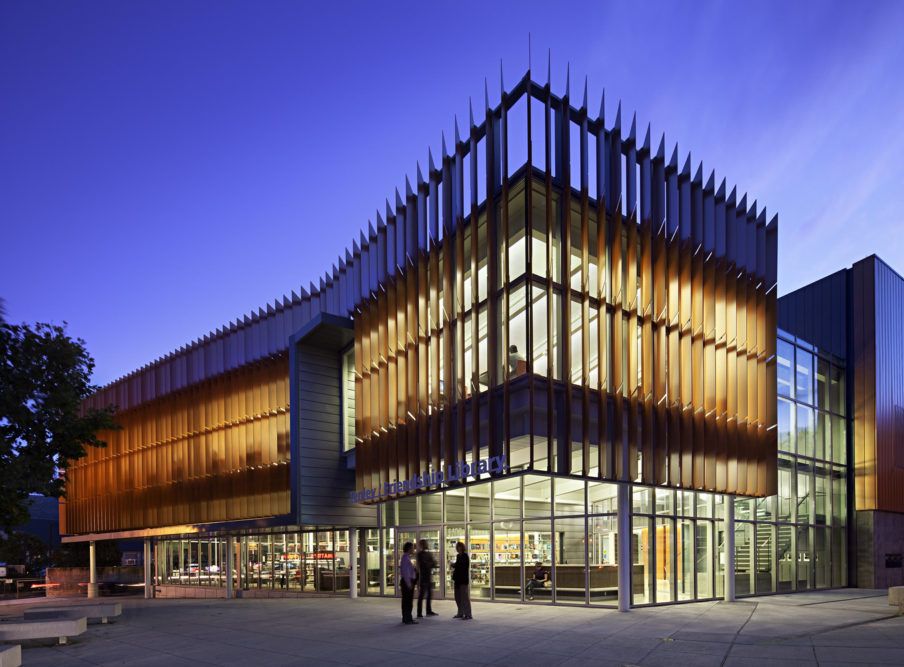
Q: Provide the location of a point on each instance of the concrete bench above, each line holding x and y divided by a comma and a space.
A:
101, 610
43, 629
896, 597
10, 656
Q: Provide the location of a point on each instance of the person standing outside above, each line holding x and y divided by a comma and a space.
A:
426, 563
461, 577
407, 577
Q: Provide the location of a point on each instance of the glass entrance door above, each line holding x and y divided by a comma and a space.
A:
454, 534
434, 547
403, 536
371, 566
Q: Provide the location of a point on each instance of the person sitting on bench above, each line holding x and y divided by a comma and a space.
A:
539, 579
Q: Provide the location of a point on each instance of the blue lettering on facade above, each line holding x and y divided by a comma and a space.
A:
454, 471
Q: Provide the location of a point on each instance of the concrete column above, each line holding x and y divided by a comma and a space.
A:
729, 550
353, 565
625, 564
92, 571
230, 548
148, 572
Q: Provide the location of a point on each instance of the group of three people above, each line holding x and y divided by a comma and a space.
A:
422, 575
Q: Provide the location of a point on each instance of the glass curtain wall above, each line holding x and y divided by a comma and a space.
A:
283, 562
568, 526
797, 540
540, 287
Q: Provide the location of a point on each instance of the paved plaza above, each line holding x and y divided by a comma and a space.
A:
838, 627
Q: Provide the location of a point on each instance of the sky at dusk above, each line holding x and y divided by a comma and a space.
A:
167, 167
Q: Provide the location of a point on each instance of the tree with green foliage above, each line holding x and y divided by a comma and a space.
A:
44, 375
18, 548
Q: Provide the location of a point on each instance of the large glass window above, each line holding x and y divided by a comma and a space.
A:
603, 565
786, 496
839, 557
575, 251
479, 550
602, 497
544, 248
431, 508
516, 354
665, 559
804, 559
507, 560
786, 419
569, 496
839, 497
479, 502
804, 493
371, 565
389, 561
786, 559
407, 509
804, 431
765, 558
822, 491
839, 440
836, 390
455, 505
744, 559
642, 554
822, 446
544, 362
685, 555
454, 533
822, 383
538, 546
821, 572
348, 400
570, 572
537, 496
785, 368
576, 334
507, 498
517, 244
804, 375
704, 559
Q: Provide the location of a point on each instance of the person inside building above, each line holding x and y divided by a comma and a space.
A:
516, 361
538, 580
407, 577
426, 563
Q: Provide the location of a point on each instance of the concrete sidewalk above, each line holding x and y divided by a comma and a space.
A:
850, 626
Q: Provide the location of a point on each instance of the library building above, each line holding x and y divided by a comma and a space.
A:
562, 347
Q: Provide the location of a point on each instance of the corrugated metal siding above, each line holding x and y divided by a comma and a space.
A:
889, 374
325, 480
818, 313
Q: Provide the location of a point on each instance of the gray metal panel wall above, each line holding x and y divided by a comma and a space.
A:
324, 479
818, 313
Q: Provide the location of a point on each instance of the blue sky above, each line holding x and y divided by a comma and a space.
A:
166, 167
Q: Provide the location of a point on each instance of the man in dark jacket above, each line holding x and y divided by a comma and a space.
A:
461, 577
425, 566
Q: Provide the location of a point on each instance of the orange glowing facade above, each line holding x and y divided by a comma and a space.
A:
585, 324
613, 323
